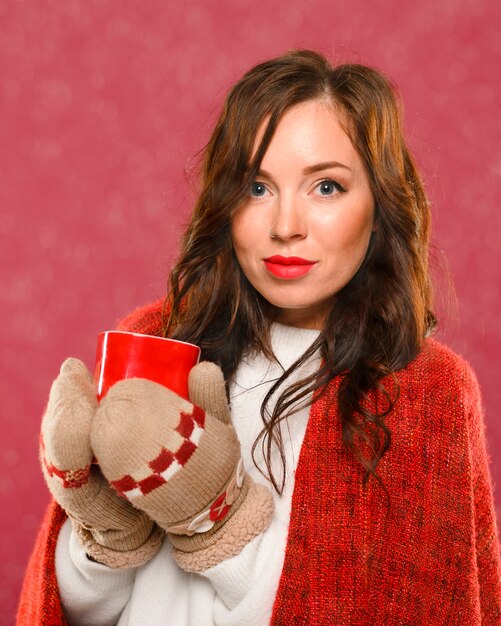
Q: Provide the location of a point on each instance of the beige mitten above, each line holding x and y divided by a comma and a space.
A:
180, 462
110, 529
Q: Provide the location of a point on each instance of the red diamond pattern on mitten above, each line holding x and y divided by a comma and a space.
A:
68, 479
167, 463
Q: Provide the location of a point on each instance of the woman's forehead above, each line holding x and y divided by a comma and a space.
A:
315, 125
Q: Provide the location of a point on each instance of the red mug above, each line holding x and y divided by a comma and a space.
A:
121, 355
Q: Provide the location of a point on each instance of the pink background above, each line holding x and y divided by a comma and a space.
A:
103, 107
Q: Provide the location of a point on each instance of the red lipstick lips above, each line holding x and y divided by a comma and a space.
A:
288, 267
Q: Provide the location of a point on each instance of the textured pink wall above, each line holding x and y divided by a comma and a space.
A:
103, 106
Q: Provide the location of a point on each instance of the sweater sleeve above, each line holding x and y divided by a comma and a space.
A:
486, 534
91, 594
246, 584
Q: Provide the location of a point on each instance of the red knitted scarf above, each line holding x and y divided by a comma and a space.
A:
433, 557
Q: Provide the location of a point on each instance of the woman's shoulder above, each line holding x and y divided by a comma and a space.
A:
438, 367
435, 354
148, 319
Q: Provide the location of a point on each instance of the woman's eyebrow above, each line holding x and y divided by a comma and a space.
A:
311, 169
318, 167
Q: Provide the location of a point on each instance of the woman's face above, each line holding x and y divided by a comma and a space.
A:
305, 228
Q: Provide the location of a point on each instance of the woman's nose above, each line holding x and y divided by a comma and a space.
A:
288, 220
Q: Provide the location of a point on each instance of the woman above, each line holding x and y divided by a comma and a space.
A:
363, 495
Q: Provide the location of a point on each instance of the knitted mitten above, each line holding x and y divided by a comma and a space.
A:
109, 528
180, 463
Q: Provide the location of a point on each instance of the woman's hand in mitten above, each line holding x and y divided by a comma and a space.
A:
110, 529
180, 462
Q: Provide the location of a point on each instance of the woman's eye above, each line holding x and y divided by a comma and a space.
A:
329, 188
258, 190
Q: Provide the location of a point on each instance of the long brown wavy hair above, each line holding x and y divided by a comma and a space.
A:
379, 319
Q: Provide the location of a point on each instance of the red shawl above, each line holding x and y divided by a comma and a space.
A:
432, 558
